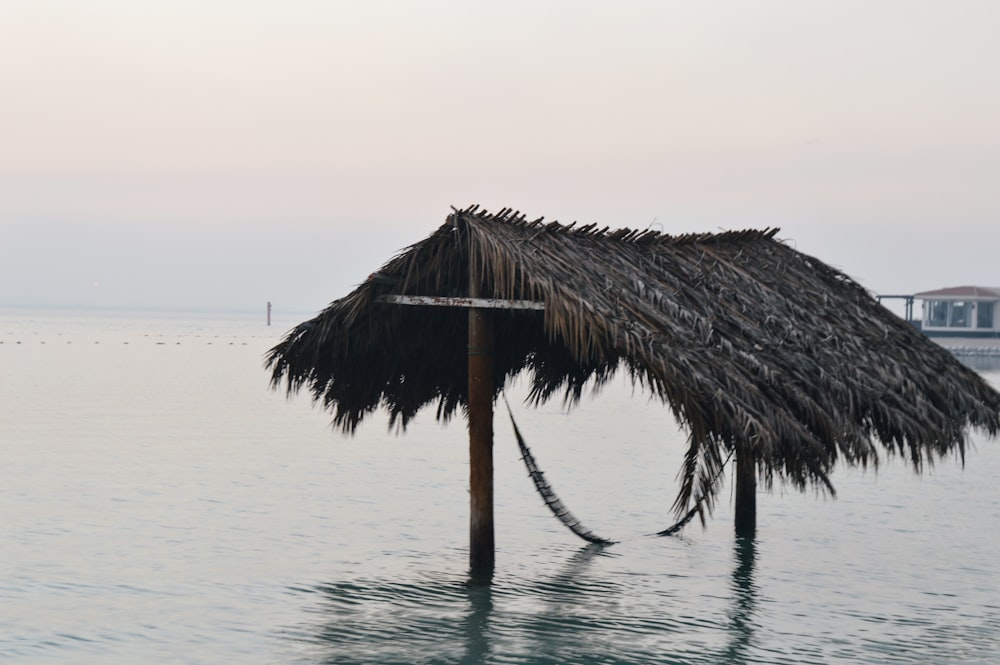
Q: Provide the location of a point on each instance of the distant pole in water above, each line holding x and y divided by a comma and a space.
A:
268, 312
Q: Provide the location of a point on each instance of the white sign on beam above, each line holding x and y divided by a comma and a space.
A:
481, 303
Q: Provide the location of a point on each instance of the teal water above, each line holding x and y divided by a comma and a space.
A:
159, 504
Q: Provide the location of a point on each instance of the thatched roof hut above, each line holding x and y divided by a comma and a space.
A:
754, 346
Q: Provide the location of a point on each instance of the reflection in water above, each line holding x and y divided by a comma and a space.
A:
380, 621
557, 593
578, 612
744, 593
476, 624
444, 620
577, 564
581, 610
566, 623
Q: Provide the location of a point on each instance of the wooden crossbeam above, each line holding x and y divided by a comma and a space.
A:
443, 301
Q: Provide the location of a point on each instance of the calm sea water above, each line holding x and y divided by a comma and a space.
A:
160, 504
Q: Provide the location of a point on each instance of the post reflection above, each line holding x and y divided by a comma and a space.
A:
744, 595
476, 624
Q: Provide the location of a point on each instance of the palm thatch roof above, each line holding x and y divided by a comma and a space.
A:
753, 345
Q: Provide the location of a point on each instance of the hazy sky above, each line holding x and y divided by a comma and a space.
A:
217, 154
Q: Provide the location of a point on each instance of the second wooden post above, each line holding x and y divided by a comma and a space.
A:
746, 493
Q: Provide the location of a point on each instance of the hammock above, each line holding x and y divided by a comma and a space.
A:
562, 513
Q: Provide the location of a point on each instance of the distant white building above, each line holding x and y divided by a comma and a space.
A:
961, 311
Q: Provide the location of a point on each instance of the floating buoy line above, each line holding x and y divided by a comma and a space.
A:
125, 342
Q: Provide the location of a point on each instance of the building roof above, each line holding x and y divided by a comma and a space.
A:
753, 345
970, 292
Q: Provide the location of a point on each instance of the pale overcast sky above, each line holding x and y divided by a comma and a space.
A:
217, 154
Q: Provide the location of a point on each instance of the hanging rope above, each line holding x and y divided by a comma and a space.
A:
562, 513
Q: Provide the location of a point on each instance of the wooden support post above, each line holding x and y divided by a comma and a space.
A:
746, 493
481, 341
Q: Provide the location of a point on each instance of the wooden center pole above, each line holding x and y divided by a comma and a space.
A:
481, 342
746, 493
